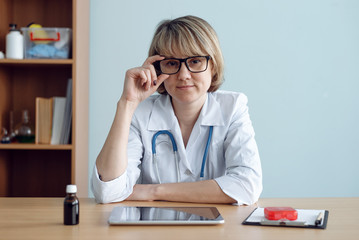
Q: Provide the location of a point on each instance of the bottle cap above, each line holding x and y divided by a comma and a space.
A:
71, 189
12, 27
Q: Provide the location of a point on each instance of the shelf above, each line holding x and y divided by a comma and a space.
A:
42, 170
36, 61
32, 146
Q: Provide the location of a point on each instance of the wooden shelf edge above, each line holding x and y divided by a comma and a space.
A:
33, 146
36, 61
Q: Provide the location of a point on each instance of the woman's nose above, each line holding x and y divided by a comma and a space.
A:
184, 73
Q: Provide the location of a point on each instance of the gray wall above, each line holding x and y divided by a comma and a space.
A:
297, 61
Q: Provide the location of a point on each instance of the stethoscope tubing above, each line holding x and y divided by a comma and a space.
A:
206, 152
174, 147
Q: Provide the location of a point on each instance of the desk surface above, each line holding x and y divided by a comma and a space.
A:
42, 218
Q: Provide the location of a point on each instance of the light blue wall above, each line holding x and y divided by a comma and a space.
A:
297, 61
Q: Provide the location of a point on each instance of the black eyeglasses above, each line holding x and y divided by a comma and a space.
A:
195, 64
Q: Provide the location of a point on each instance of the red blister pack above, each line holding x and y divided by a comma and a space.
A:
278, 213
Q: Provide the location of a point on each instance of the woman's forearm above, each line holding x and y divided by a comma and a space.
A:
112, 160
206, 191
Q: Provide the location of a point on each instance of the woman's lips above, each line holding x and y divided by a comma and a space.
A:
185, 87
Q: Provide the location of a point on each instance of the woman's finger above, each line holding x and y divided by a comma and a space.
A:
149, 65
149, 79
161, 78
143, 78
152, 59
153, 74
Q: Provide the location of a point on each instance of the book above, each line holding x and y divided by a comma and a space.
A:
53, 118
43, 125
66, 127
58, 115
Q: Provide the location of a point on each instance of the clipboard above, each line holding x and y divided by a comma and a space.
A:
306, 219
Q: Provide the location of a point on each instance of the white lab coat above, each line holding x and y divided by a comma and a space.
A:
233, 159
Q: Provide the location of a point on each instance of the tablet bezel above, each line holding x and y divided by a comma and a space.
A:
217, 219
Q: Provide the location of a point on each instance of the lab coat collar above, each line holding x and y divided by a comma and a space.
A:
211, 114
163, 117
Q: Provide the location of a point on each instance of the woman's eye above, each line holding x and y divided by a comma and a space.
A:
172, 63
195, 61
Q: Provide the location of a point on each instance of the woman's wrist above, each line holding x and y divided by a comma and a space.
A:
126, 105
156, 192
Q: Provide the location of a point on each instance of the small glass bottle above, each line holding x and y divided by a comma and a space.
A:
71, 206
24, 131
4, 137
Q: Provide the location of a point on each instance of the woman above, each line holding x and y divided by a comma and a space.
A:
185, 65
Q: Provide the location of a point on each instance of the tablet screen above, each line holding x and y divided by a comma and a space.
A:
123, 215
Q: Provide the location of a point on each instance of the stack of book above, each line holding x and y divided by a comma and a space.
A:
53, 118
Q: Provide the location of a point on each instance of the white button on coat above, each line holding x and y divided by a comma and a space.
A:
233, 159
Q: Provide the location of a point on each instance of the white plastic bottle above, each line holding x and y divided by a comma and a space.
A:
14, 43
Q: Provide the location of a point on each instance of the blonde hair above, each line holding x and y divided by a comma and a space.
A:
190, 36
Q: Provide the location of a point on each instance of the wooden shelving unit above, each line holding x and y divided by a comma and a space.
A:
38, 170
21, 146
36, 62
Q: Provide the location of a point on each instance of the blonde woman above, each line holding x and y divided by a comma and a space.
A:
189, 143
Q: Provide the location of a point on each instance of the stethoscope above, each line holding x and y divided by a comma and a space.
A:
174, 147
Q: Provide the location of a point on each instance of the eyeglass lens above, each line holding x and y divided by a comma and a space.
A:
193, 64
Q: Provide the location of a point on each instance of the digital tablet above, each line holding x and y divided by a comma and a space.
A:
123, 215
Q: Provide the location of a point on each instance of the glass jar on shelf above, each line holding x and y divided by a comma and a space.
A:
24, 132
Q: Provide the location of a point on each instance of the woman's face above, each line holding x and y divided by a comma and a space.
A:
186, 87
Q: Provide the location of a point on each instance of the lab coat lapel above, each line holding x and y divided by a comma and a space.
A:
162, 116
211, 115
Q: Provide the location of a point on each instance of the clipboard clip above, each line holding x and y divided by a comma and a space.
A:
266, 222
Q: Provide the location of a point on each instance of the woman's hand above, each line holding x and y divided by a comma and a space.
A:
142, 82
143, 192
